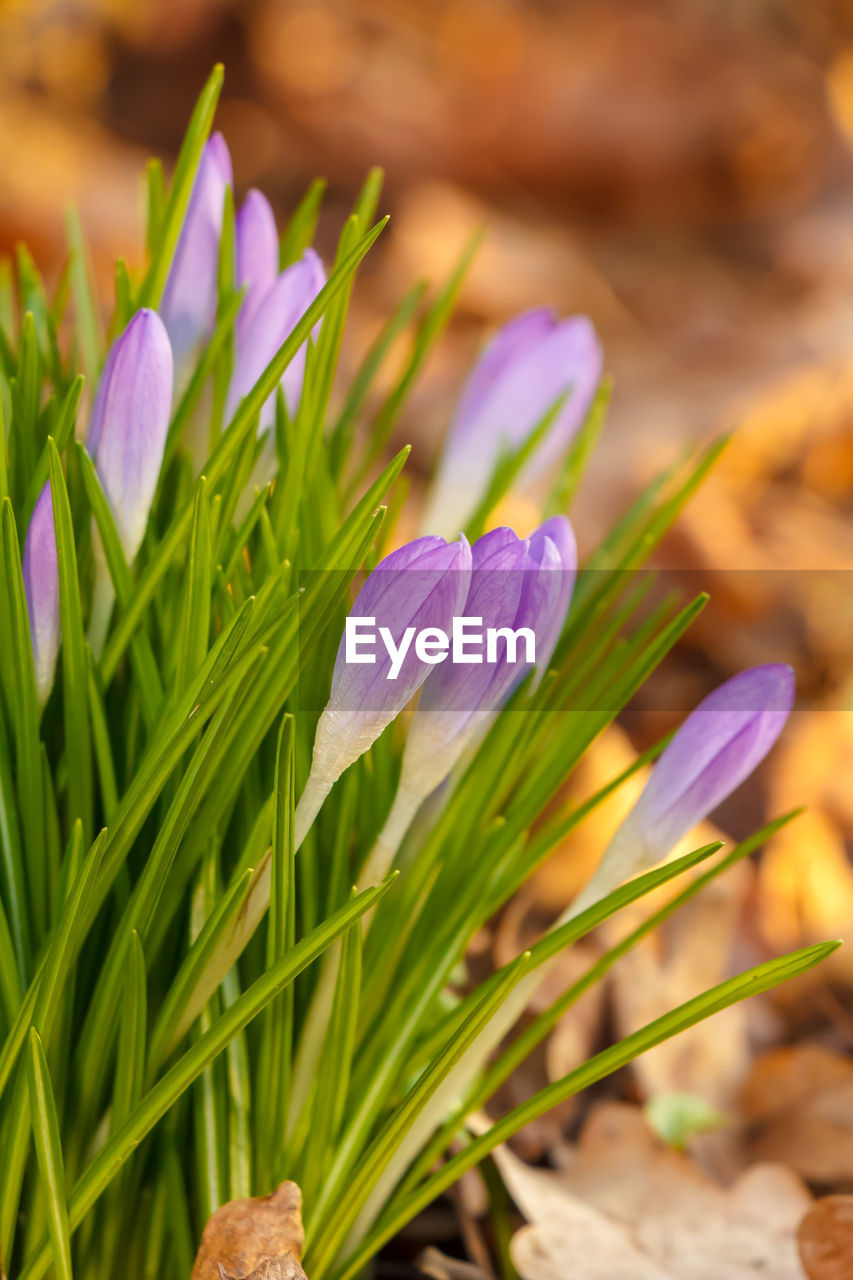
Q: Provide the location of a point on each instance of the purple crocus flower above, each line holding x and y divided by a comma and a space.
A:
130, 420
520, 590
41, 584
378, 669
189, 299
256, 251
525, 368
716, 748
517, 586
274, 317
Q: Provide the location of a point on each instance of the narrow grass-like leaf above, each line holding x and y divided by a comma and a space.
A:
130, 1061
178, 1079
75, 679
195, 621
89, 329
172, 219
324, 1243
429, 331
178, 1010
300, 230
752, 983
28, 755
49, 1154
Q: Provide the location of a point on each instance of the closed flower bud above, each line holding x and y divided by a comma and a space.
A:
718, 746
130, 420
521, 590
422, 585
518, 586
257, 253
523, 371
269, 324
41, 584
189, 299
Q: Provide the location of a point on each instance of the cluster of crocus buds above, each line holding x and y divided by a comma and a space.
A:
509, 586
521, 375
273, 302
423, 584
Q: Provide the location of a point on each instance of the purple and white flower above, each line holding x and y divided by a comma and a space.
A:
271, 319
716, 748
130, 421
41, 585
188, 306
256, 253
521, 373
423, 584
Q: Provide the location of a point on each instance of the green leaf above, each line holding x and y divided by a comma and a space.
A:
429, 331
276, 1039
171, 222
111, 1157
300, 230
89, 329
130, 1062
75, 677
752, 983
195, 621
26, 712
49, 1154
341, 1214
180, 1007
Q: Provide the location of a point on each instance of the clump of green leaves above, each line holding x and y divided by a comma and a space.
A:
141, 807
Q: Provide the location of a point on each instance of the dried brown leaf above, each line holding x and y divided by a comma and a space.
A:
630, 1208
799, 1105
825, 1239
257, 1239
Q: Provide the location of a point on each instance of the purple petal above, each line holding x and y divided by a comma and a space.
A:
256, 252
424, 584
530, 363
509, 344
719, 745
132, 416
41, 584
274, 318
455, 691
554, 550
189, 300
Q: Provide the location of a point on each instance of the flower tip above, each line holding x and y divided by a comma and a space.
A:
216, 150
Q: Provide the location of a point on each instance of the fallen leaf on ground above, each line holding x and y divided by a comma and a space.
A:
628, 1207
798, 1103
825, 1239
257, 1239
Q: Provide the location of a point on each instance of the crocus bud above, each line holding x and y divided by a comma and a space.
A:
189, 299
130, 419
522, 372
41, 584
517, 586
716, 748
257, 253
274, 317
422, 585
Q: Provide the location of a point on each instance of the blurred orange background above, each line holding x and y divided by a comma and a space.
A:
678, 169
